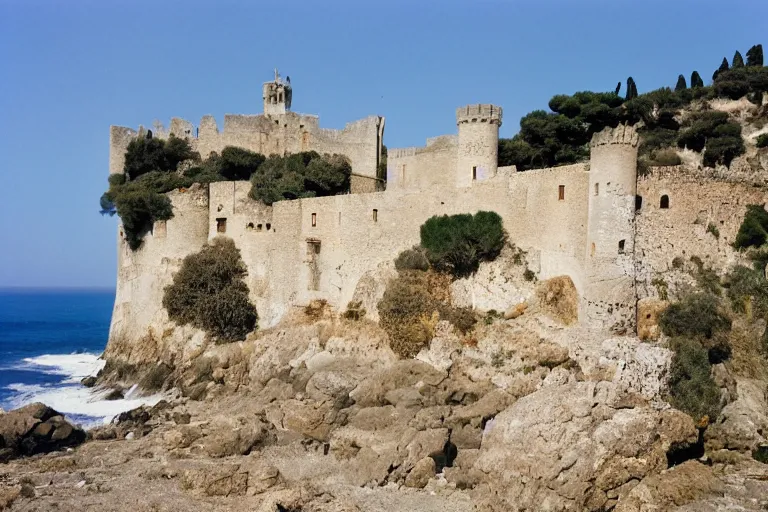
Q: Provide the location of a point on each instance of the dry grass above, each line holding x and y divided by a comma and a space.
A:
558, 297
747, 358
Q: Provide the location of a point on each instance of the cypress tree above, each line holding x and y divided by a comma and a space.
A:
631, 89
738, 60
755, 55
696, 80
618, 88
681, 85
723, 67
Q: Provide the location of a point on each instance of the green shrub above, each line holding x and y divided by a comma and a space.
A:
722, 150
458, 243
677, 262
139, 209
708, 280
208, 292
762, 141
696, 80
747, 288
146, 154
753, 231
691, 387
755, 55
405, 313
239, 163
695, 315
681, 85
412, 259
463, 319
665, 157
300, 175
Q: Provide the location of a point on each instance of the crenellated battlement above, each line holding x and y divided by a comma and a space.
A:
622, 134
481, 113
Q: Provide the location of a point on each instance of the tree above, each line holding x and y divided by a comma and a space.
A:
755, 55
723, 67
618, 88
681, 85
631, 89
737, 61
696, 80
238, 163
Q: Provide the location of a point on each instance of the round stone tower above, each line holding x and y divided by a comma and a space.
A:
478, 143
610, 297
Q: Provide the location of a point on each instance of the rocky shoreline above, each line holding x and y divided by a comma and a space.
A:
321, 416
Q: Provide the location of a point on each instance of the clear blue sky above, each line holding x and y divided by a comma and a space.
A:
72, 68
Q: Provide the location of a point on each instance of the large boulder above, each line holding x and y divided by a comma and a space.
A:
577, 446
34, 429
743, 424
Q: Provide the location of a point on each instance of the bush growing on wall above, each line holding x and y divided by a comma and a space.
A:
306, 174
209, 293
458, 243
146, 154
753, 231
697, 315
406, 313
748, 290
412, 259
239, 163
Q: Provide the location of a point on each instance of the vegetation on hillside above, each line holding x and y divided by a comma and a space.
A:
209, 293
561, 136
451, 247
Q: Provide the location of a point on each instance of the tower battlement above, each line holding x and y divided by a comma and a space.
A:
622, 134
480, 113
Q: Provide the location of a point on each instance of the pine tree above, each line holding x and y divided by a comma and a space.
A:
681, 85
723, 67
738, 60
618, 88
755, 55
696, 80
631, 89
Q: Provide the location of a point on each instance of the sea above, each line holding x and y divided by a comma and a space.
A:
49, 341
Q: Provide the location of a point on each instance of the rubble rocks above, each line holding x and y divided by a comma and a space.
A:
35, 429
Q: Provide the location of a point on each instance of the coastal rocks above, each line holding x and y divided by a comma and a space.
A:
89, 381
370, 288
35, 429
743, 424
640, 366
422, 471
577, 447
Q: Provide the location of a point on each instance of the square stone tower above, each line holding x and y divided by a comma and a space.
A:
277, 95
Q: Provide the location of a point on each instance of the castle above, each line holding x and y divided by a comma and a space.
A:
592, 221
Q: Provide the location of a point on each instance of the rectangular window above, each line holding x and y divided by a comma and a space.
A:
561, 193
474, 172
314, 219
402, 174
221, 225
375, 215
597, 189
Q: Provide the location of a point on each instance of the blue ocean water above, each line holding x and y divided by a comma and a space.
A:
49, 341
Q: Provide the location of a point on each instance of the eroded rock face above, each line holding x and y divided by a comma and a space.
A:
743, 424
34, 429
576, 447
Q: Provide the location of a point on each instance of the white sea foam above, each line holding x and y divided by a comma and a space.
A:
77, 400
69, 397
73, 366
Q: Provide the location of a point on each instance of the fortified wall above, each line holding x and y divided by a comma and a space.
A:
575, 220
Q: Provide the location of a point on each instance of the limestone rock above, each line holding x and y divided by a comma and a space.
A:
34, 429
216, 480
567, 447
402, 374
261, 476
440, 351
743, 424
182, 437
89, 381
226, 439
640, 366
675, 487
370, 288
421, 473
304, 418
515, 311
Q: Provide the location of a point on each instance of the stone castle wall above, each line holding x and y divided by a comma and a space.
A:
359, 141
695, 199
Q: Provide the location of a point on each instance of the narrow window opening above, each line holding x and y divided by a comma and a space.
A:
561, 193
339, 218
314, 220
221, 225
664, 203
259, 227
638, 203
597, 189
592, 249
269, 226
249, 226
648, 316
621, 246
375, 215
474, 173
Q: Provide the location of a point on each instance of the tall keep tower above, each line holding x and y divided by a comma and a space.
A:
610, 293
478, 143
277, 95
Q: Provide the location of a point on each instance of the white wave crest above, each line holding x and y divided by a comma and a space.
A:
77, 401
72, 366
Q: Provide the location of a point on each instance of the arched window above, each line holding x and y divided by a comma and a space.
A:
664, 203
621, 246
638, 203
